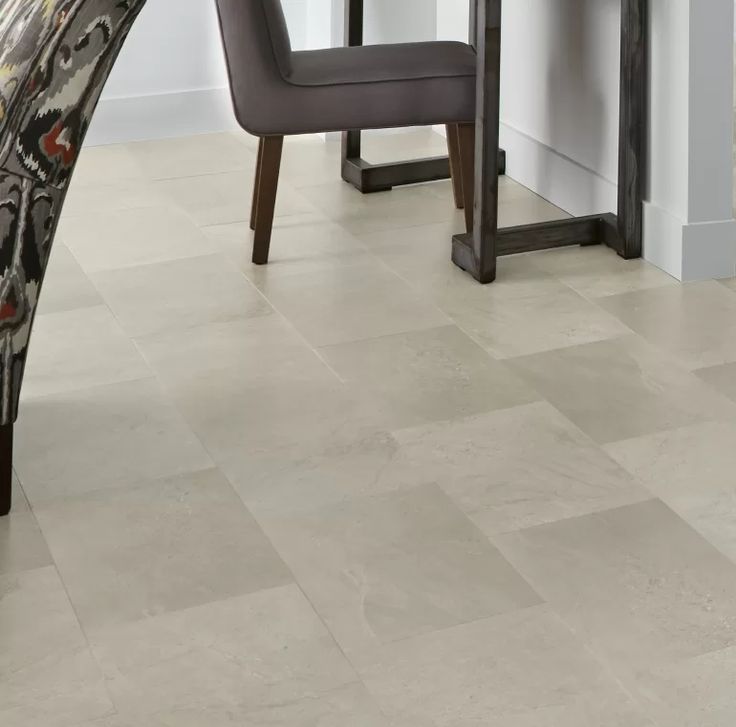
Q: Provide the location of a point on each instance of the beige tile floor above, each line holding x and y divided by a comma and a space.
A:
355, 488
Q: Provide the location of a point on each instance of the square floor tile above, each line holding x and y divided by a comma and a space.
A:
514, 468
79, 349
621, 388
22, 546
722, 378
77, 442
637, 583
254, 651
389, 567
693, 470
65, 285
361, 301
179, 294
141, 551
110, 240
524, 669
424, 376
695, 323
48, 677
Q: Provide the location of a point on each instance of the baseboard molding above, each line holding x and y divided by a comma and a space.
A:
688, 252
554, 176
158, 116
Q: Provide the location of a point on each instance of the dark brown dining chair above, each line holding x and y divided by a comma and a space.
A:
278, 92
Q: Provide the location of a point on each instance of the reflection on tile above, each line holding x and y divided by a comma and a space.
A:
722, 378
105, 241
79, 349
696, 323
620, 389
48, 677
428, 375
513, 469
241, 654
142, 551
637, 583
598, 271
360, 301
524, 669
693, 471
179, 294
191, 155
65, 286
385, 568
91, 439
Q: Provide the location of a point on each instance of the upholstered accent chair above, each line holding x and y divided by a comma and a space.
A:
279, 92
55, 56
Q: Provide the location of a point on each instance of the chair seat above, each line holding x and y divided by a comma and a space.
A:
373, 87
382, 63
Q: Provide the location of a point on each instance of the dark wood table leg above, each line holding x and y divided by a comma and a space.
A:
368, 177
6, 468
477, 252
633, 126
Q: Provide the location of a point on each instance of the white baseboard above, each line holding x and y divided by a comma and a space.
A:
559, 179
699, 251
136, 118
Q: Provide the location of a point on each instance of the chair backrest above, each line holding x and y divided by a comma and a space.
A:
257, 49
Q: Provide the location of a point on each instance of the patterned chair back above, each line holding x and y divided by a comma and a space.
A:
55, 56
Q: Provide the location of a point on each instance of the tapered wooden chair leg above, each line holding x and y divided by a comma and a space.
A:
453, 147
6, 468
256, 185
466, 142
268, 183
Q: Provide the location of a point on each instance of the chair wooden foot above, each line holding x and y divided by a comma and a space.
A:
466, 143
453, 148
268, 182
256, 185
6, 468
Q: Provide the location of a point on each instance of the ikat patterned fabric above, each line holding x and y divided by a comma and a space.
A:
55, 56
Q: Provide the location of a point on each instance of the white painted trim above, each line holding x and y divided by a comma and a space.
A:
554, 176
160, 116
695, 251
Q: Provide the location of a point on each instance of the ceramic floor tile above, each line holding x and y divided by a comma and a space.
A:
515, 326
106, 241
425, 376
695, 323
300, 244
22, 546
92, 439
110, 196
106, 164
79, 349
191, 155
385, 568
214, 199
722, 378
254, 651
524, 669
692, 470
638, 584
621, 388
65, 285
138, 552
48, 677
699, 692
598, 271
514, 468
364, 300
179, 294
